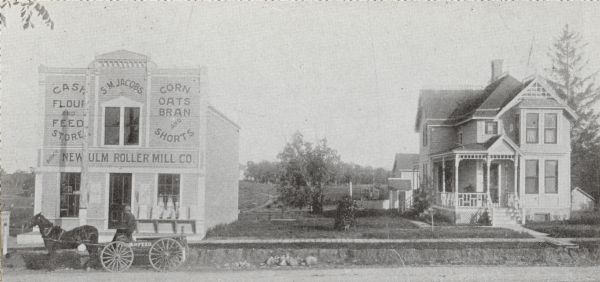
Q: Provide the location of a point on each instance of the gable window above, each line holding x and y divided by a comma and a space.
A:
168, 190
460, 138
69, 194
532, 126
491, 127
550, 124
121, 125
551, 177
531, 177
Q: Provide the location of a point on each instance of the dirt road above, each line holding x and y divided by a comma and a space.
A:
458, 273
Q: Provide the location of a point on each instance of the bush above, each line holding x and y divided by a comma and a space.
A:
345, 213
422, 197
484, 219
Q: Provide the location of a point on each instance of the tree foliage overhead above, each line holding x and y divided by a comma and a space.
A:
572, 80
27, 9
306, 169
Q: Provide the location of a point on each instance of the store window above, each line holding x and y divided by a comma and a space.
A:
168, 190
69, 194
129, 118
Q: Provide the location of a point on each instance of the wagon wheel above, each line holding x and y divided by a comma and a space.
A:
166, 254
116, 256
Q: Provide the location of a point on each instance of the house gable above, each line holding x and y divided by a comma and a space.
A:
538, 89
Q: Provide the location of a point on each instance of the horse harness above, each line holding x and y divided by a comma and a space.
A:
46, 234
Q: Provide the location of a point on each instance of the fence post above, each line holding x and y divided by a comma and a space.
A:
5, 219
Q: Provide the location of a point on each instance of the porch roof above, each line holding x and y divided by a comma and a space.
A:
498, 145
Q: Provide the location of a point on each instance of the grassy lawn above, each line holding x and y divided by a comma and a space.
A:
376, 227
588, 225
252, 194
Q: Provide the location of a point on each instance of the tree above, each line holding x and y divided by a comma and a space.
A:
306, 169
572, 81
27, 9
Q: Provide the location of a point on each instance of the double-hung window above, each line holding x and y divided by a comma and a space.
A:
491, 127
425, 135
531, 177
551, 176
69, 194
550, 124
121, 125
532, 128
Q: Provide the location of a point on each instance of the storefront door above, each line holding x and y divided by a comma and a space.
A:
120, 196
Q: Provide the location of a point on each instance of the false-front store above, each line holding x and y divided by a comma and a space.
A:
154, 144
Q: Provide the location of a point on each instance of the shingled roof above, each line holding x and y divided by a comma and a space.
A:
454, 106
405, 162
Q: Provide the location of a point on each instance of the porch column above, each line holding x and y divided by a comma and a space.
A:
456, 164
516, 170
443, 175
487, 179
500, 184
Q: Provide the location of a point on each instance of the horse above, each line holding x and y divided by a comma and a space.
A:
56, 238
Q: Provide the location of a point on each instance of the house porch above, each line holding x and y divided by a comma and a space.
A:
475, 180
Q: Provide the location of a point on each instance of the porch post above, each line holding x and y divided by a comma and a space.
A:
500, 183
456, 163
487, 179
443, 175
515, 168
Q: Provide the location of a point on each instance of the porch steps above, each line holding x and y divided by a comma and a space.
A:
505, 216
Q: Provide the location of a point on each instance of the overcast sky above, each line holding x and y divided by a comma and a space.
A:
350, 72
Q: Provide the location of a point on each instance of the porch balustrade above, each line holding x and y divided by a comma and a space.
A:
447, 199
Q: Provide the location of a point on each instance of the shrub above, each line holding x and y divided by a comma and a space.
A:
422, 197
345, 213
484, 219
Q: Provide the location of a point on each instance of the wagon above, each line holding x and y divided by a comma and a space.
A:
164, 253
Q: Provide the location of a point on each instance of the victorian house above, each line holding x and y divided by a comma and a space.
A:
503, 150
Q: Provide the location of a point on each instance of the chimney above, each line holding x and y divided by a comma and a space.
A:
496, 69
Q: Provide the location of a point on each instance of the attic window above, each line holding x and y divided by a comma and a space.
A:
491, 127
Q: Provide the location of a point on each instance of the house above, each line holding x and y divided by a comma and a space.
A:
153, 143
404, 179
503, 149
581, 201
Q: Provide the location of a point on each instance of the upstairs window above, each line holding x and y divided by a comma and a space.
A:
551, 177
121, 125
531, 177
69, 194
460, 138
550, 124
532, 128
112, 120
491, 127
425, 135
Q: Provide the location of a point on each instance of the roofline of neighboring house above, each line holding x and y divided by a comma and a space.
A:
584, 193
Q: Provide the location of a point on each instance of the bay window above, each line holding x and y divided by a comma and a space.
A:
532, 128
550, 124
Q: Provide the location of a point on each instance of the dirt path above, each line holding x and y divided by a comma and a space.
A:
454, 273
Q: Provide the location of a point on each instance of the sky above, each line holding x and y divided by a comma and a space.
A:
346, 71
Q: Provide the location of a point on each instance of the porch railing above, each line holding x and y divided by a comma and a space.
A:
448, 199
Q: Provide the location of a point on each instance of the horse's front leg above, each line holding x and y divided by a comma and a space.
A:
51, 257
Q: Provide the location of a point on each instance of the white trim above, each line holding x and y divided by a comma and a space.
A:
148, 106
106, 199
122, 170
97, 127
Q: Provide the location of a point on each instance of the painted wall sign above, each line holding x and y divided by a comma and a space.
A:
175, 116
64, 104
122, 158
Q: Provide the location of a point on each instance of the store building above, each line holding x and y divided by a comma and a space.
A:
154, 143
